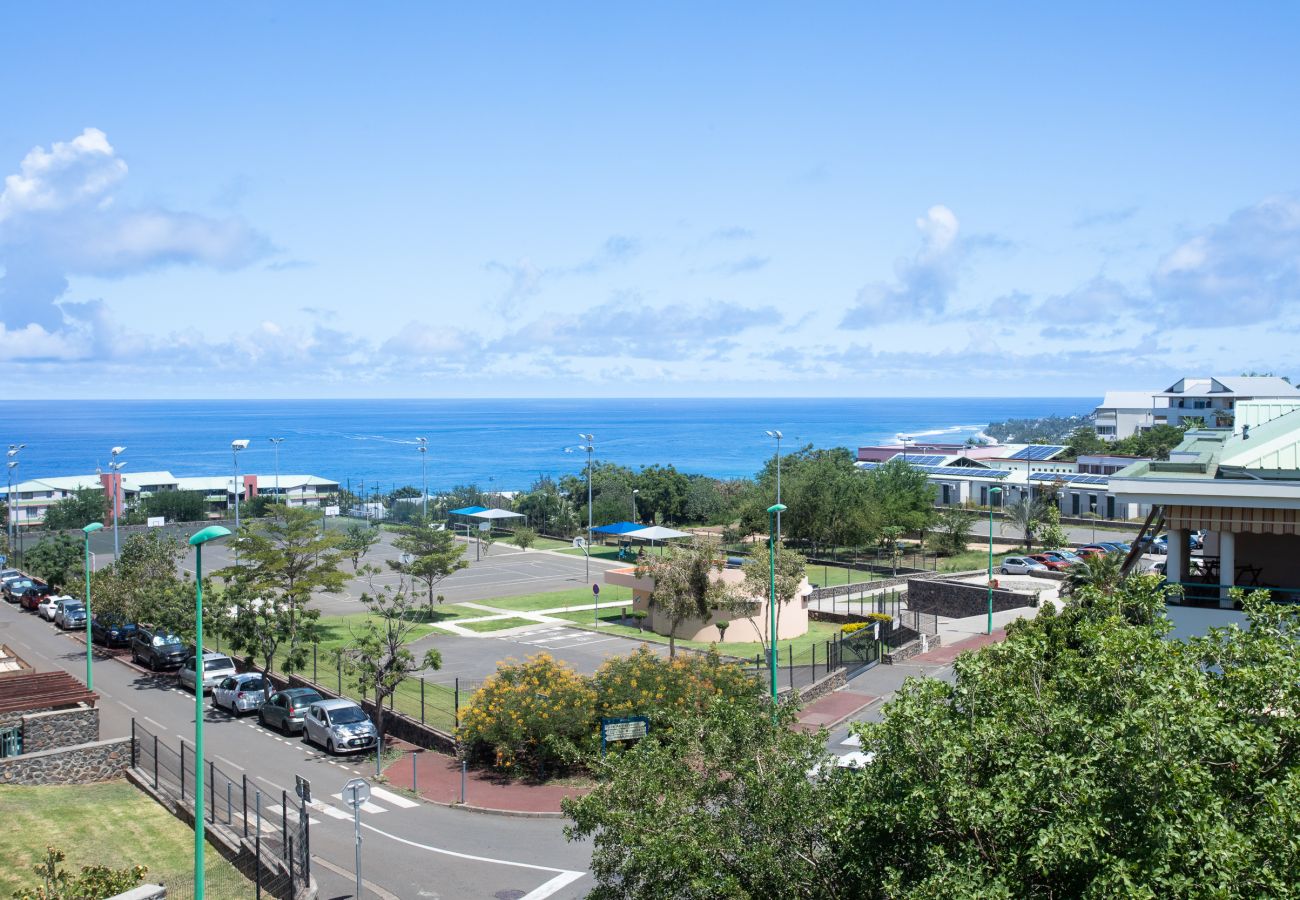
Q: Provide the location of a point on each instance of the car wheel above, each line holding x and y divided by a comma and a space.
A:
329, 746
261, 719
1004, 571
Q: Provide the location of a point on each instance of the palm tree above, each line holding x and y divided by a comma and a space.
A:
1101, 572
1026, 516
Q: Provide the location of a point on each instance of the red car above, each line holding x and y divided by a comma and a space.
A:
32, 597
1091, 552
1054, 563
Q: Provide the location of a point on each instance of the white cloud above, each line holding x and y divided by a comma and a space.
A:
922, 283
70, 173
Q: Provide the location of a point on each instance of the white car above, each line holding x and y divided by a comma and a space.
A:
340, 726
239, 694
1021, 565
216, 668
50, 605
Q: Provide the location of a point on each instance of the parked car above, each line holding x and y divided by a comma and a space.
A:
1116, 546
1056, 564
32, 597
285, 709
111, 631
1020, 565
157, 649
340, 726
1066, 556
50, 605
217, 667
239, 693
16, 586
1091, 552
70, 614
8, 573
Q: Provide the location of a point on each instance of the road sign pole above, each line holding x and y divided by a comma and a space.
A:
595, 592
356, 829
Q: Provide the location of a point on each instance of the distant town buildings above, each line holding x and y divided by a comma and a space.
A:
1210, 401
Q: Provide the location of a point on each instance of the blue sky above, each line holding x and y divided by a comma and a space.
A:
386, 200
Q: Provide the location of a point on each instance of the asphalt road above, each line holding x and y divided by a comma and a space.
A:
409, 851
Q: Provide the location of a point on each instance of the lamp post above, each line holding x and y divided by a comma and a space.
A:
211, 533
235, 447
115, 468
773, 513
905, 439
635, 491
88, 531
424, 477
9, 497
590, 447
278, 496
777, 436
993, 492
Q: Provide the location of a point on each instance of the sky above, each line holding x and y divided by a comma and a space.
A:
726, 199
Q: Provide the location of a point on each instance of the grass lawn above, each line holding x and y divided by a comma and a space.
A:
497, 624
818, 633
557, 599
832, 576
111, 824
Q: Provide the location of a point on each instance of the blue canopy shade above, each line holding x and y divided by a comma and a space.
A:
468, 510
617, 528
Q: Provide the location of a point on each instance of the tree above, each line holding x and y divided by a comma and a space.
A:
1083, 440
379, 656
94, 882
83, 507
790, 568
523, 538
825, 495
951, 530
359, 539
1088, 755
175, 506
144, 585
283, 561
704, 502
59, 560
1050, 532
712, 805
1100, 572
433, 554
684, 586
1025, 517
901, 496
547, 509
663, 494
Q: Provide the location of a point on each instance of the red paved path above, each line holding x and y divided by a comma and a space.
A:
946, 654
832, 708
438, 779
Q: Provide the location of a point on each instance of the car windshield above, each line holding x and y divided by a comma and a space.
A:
251, 684
221, 662
73, 608
348, 715
304, 700
165, 640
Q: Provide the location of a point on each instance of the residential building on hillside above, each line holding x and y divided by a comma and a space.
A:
1126, 413
1213, 401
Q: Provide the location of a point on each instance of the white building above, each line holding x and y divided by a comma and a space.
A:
1213, 401
1126, 413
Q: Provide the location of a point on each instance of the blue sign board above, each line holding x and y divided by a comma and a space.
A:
623, 728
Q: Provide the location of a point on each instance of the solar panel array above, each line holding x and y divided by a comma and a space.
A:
1069, 478
950, 471
1037, 451
918, 459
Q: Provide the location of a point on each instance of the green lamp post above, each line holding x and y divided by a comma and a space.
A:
211, 533
993, 492
772, 512
88, 531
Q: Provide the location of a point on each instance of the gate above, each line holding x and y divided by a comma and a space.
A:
859, 650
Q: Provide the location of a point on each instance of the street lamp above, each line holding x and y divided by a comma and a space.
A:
11, 516
773, 513
424, 476
777, 436
88, 531
905, 439
277, 442
590, 447
993, 492
211, 533
115, 468
635, 491
235, 447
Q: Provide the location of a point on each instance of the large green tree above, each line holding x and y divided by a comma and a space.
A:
663, 494
59, 560
686, 587
825, 495
175, 506
900, 496
429, 554
83, 507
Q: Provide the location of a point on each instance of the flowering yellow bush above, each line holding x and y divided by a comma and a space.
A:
852, 627
645, 683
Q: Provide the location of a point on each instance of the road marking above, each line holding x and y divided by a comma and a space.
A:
156, 722
292, 814
553, 885
487, 859
392, 799
853, 741
326, 809
266, 781
222, 758
127, 706
368, 885
365, 807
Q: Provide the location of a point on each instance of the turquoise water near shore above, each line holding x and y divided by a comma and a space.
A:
502, 444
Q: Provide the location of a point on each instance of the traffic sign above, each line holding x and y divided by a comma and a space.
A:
356, 792
595, 589
302, 787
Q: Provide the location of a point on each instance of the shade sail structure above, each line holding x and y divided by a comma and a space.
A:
468, 510
619, 528
496, 514
655, 533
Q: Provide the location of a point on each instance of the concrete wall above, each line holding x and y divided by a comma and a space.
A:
82, 764
60, 728
956, 600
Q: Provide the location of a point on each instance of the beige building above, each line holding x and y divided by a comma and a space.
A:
744, 628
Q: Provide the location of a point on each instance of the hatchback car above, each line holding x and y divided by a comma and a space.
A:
14, 587
111, 631
1020, 565
340, 726
1066, 556
50, 605
1056, 564
285, 710
217, 667
239, 693
157, 649
31, 598
70, 614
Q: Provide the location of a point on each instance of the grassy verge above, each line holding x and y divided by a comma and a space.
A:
497, 624
611, 622
111, 824
557, 599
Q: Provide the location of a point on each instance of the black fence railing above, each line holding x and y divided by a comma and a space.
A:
276, 824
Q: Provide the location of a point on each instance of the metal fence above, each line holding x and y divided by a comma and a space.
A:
275, 824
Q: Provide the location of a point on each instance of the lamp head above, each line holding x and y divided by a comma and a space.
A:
211, 533
116, 450
13, 464
995, 490
238, 445
775, 434
93, 527
777, 507
587, 437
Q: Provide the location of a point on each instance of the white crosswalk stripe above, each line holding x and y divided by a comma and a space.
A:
392, 799
365, 807
276, 811
328, 810
853, 740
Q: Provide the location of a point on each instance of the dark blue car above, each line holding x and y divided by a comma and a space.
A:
111, 632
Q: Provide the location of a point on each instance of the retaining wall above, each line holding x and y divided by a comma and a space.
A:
82, 764
957, 600
60, 728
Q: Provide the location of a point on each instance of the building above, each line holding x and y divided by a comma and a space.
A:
1243, 489
1213, 401
33, 498
1126, 413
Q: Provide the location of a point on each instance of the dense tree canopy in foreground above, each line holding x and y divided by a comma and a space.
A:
1088, 755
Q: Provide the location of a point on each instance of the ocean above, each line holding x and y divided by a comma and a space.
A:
498, 444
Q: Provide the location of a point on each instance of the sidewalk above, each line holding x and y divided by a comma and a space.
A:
437, 777
833, 708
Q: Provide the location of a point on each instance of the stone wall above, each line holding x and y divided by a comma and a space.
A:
82, 764
831, 682
60, 728
957, 600
912, 648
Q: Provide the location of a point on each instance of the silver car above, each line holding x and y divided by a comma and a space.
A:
340, 726
71, 614
239, 693
1021, 565
216, 669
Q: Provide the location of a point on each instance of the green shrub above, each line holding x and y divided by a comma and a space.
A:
644, 683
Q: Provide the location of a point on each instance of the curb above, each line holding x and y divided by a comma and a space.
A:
829, 726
